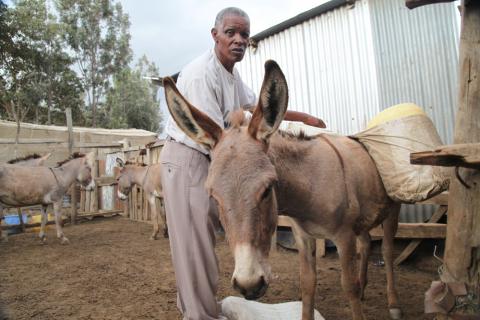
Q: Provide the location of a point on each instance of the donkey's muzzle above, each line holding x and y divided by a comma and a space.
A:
251, 292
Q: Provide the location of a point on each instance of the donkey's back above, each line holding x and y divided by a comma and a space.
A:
332, 184
21, 186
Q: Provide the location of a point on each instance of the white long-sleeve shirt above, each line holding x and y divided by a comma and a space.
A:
209, 87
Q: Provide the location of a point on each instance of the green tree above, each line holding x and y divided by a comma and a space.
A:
132, 102
97, 31
34, 67
18, 60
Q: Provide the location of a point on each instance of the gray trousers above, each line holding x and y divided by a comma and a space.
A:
191, 230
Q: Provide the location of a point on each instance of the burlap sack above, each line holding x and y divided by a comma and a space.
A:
236, 308
390, 144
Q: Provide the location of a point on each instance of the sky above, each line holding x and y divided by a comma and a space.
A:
172, 33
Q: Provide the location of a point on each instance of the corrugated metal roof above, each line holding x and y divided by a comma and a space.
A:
302, 17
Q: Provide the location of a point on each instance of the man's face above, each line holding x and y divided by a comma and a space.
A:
231, 39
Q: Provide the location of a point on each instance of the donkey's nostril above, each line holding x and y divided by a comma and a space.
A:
238, 288
252, 292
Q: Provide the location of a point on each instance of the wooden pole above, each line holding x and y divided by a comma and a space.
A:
462, 250
73, 199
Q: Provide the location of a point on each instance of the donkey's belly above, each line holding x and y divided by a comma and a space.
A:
20, 201
311, 228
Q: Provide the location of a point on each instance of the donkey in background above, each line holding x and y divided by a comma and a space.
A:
327, 184
148, 177
31, 160
26, 186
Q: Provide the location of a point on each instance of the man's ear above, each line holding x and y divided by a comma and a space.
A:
272, 103
197, 125
214, 33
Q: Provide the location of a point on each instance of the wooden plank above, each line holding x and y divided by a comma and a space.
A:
414, 243
73, 195
87, 200
34, 141
284, 221
415, 231
82, 200
440, 199
134, 203
105, 181
93, 145
458, 155
98, 213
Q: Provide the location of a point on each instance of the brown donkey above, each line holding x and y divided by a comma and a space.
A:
149, 179
327, 184
26, 186
31, 160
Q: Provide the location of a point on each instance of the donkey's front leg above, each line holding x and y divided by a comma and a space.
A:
346, 245
3, 236
363, 242
41, 235
156, 227
57, 209
307, 247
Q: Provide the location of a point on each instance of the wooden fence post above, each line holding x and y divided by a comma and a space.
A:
73, 199
462, 250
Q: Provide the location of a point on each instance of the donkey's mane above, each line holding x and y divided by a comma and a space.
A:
30, 156
131, 163
237, 118
301, 135
75, 155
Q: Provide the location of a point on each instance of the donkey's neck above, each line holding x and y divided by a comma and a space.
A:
66, 174
291, 157
138, 175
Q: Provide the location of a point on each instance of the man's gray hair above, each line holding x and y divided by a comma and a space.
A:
230, 11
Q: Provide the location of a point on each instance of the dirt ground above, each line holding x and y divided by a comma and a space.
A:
111, 270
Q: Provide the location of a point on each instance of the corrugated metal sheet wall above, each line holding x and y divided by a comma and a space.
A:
417, 57
329, 65
348, 64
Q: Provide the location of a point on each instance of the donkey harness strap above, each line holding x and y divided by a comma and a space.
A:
337, 152
54, 175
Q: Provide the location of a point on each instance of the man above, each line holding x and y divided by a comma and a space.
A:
212, 84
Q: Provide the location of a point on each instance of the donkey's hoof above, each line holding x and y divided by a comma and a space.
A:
165, 234
153, 237
65, 241
43, 239
395, 313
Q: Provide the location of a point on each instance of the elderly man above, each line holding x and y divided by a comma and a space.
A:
212, 84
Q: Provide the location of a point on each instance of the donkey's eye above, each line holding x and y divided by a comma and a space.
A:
266, 193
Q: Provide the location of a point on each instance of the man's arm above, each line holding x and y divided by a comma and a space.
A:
305, 118
298, 117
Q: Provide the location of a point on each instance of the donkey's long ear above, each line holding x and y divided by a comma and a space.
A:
45, 157
90, 157
192, 121
272, 103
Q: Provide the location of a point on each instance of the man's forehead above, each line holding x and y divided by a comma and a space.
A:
235, 20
